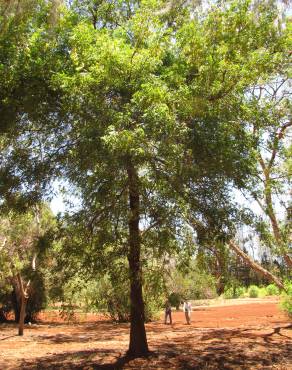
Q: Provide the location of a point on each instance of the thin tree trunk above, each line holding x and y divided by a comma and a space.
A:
138, 342
254, 265
24, 298
22, 315
16, 299
269, 210
275, 226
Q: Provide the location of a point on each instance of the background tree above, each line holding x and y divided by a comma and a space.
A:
25, 239
268, 109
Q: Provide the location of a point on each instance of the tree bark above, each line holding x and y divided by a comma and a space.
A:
138, 342
22, 315
24, 298
269, 210
16, 299
274, 223
255, 265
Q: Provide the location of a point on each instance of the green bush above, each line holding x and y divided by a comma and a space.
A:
228, 293
253, 291
241, 291
113, 297
262, 292
272, 289
234, 292
202, 286
152, 311
286, 304
193, 284
111, 294
286, 301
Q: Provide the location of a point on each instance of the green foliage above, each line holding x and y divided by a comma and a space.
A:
28, 240
286, 305
175, 300
99, 87
108, 293
9, 301
262, 292
272, 289
253, 291
24, 237
115, 299
234, 292
191, 284
286, 299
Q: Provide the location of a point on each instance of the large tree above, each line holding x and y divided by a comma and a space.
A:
147, 99
138, 112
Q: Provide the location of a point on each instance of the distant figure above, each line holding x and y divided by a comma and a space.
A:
187, 310
167, 313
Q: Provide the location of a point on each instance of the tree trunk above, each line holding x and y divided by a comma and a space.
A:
22, 315
16, 301
272, 216
24, 299
255, 265
138, 342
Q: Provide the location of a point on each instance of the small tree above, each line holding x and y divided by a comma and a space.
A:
23, 244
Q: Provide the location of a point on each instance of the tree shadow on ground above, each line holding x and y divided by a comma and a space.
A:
215, 349
79, 360
86, 333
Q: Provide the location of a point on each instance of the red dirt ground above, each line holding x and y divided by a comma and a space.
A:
243, 336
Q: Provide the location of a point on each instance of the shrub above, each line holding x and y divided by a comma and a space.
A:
272, 289
202, 286
286, 302
113, 296
262, 292
119, 306
193, 284
152, 311
228, 293
234, 292
240, 292
253, 291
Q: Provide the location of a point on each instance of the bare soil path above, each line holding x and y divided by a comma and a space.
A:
242, 336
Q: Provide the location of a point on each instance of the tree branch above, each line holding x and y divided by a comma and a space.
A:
278, 137
255, 266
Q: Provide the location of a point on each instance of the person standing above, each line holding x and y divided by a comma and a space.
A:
187, 307
167, 313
